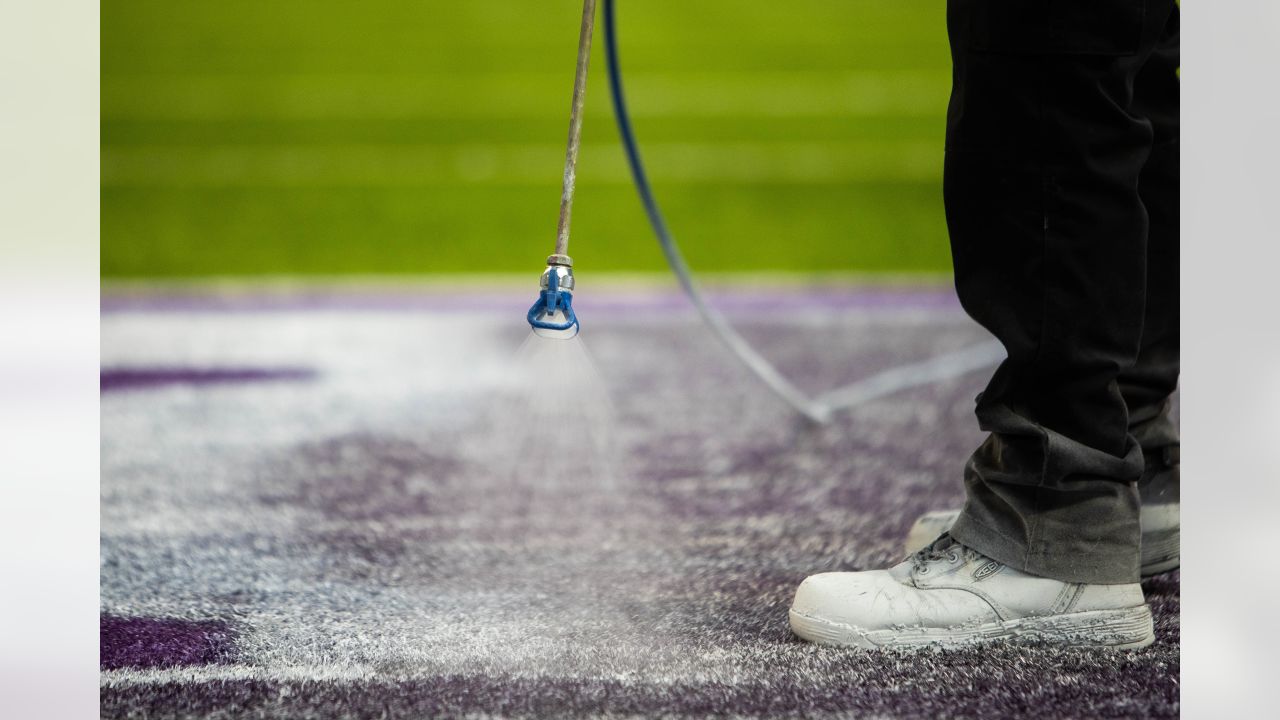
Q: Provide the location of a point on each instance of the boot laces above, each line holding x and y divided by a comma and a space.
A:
944, 548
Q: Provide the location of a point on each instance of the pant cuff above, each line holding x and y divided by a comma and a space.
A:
1096, 565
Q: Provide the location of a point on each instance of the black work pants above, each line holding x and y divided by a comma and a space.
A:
1061, 191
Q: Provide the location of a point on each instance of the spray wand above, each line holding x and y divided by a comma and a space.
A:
552, 315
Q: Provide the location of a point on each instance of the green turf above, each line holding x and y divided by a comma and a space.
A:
405, 137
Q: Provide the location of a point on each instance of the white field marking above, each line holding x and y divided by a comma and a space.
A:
518, 164
925, 372
299, 673
132, 677
215, 673
519, 95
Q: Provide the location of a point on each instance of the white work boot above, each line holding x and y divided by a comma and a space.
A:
948, 595
1159, 516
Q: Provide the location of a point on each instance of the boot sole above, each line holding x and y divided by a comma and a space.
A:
1121, 629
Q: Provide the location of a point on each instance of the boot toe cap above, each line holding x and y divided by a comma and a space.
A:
876, 600
862, 599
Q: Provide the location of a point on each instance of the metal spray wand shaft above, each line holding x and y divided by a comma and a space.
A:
561, 256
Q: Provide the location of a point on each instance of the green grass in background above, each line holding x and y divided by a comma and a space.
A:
307, 137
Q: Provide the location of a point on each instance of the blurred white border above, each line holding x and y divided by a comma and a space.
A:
1231, 356
49, 356
48, 359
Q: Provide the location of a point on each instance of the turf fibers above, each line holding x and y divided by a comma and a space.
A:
308, 510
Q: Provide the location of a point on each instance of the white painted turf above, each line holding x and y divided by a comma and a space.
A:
372, 525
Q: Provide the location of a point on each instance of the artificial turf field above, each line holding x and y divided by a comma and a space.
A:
325, 503
340, 504
324, 137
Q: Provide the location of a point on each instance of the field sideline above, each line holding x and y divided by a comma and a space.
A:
329, 138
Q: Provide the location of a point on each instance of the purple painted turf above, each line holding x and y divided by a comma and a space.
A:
118, 379
140, 642
983, 682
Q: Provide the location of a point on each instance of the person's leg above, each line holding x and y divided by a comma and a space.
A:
1049, 240
1148, 384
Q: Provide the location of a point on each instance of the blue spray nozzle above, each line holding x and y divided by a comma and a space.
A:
554, 298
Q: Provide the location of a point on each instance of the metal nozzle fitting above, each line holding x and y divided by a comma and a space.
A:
564, 276
552, 315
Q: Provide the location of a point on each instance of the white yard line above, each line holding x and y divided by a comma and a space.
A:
219, 673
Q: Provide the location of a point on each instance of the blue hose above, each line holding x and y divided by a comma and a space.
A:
735, 342
821, 408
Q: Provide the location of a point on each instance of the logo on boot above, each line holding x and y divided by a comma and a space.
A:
986, 571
